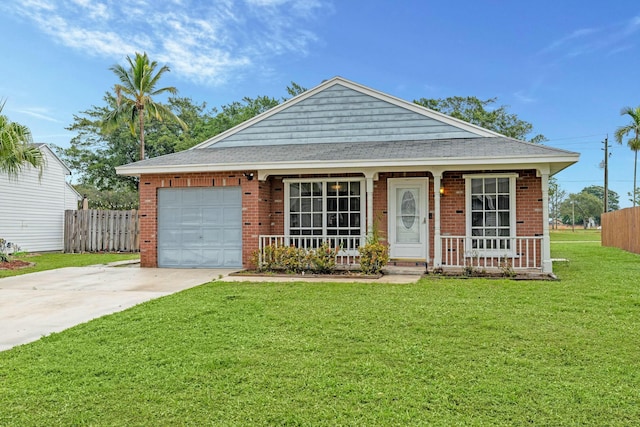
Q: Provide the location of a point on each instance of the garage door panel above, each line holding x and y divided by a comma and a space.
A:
169, 197
232, 197
191, 197
230, 217
212, 215
200, 227
212, 234
231, 237
169, 216
191, 215
232, 257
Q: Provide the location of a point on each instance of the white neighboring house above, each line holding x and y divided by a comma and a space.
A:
32, 206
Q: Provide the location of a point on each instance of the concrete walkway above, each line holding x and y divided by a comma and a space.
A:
38, 304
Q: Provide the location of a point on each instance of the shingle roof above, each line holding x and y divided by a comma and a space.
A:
462, 148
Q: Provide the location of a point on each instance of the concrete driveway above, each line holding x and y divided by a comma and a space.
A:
37, 304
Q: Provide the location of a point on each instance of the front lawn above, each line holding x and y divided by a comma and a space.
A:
439, 352
53, 260
579, 234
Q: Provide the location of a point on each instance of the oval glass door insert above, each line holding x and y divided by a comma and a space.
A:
408, 210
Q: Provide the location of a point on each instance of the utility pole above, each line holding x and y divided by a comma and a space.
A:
606, 174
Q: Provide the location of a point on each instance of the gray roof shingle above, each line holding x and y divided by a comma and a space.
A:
461, 148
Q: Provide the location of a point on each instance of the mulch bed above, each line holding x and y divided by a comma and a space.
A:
14, 264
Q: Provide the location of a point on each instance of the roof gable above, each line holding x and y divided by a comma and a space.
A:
341, 111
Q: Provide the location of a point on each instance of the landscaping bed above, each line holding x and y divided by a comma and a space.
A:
15, 264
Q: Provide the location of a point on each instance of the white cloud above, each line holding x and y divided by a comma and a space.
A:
610, 40
38, 112
523, 97
207, 42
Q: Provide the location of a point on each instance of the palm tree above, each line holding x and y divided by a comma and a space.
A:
634, 142
16, 150
134, 96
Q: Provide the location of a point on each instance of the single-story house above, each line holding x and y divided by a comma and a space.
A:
333, 163
32, 205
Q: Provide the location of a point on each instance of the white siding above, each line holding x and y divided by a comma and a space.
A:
32, 207
71, 198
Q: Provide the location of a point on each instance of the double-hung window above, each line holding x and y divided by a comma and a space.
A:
491, 213
324, 208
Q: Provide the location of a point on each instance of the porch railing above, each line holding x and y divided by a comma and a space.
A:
519, 253
346, 255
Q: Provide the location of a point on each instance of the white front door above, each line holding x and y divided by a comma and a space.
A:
408, 212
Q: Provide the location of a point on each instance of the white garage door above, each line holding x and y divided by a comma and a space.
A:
200, 227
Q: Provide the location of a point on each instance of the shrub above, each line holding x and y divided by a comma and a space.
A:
281, 258
323, 259
290, 259
374, 255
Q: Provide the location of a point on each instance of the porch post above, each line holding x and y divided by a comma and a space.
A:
369, 176
547, 264
437, 244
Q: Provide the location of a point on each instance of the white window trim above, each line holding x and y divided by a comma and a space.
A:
512, 215
287, 207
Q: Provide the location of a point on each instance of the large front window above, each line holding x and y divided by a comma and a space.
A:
325, 208
491, 211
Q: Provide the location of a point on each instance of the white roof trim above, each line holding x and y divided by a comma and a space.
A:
461, 124
55, 157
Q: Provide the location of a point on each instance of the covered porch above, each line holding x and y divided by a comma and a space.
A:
433, 217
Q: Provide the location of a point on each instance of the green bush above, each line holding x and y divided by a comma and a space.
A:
323, 259
374, 255
291, 259
282, 258
296, 260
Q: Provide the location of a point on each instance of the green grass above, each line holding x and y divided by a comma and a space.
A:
439, 352
50, 261
580, 235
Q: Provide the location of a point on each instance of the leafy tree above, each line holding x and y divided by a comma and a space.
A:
94, 152
632, 128
134, 102
613, 199
118, 199
16, 150
294, 90
637, 197
584, 206
475, 111
556, 197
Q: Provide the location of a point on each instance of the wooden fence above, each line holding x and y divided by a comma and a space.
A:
621, 229
94, 230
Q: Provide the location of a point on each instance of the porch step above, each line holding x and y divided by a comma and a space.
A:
404, 270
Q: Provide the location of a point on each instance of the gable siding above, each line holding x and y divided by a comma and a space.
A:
341, 114
32, 209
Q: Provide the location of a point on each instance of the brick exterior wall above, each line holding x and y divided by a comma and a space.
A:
263, 205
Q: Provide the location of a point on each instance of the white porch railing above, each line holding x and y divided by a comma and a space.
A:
521, 253
347, 254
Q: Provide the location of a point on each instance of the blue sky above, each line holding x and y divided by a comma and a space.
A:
568, 67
